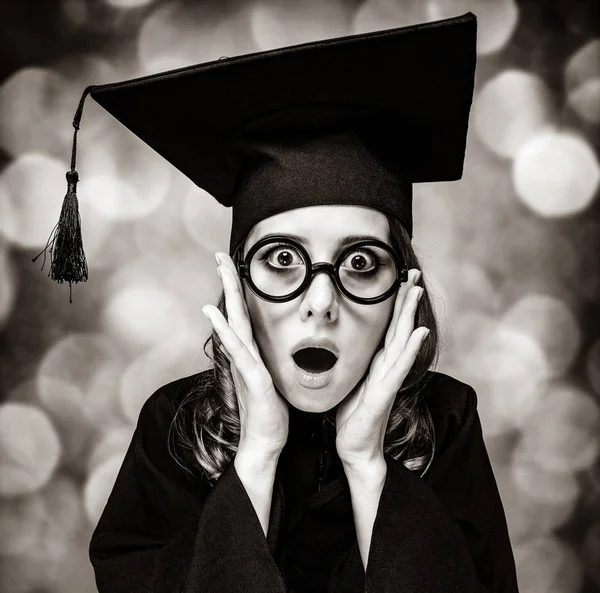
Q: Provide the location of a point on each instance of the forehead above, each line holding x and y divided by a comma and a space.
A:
324, 225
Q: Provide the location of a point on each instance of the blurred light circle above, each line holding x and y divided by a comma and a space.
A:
99, 486
102, 396
115, 442
73, 359
164, 232
143, 314
54, 517
582, 81
77, 380
541, 484
530, 517
61, 519
29, 100
517, 364
563, 433
73, 574
19, 574
583, 66
473, 292
32, 188
63, 403
29, 449
278, 23
510, 109
118, 247
180, 34
125, 179
19, 529
547, 565
552, 324
592, 364
112, 196
9, 284
585, 100
514, 250
375, 15
496, 21
171, 359
556, 174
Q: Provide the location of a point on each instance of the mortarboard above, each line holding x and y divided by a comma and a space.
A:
351, 120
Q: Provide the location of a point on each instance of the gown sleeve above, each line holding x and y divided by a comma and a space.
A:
160, 534
445, 532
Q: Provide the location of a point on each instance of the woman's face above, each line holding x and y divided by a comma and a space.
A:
321, 311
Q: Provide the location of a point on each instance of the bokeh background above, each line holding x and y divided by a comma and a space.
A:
512, 253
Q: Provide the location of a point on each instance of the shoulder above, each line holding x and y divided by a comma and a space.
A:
160, 408
445, 394
155, 438
453, 407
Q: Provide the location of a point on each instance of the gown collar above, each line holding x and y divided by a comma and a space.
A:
304, 426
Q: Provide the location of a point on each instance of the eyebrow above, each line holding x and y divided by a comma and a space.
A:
341, 242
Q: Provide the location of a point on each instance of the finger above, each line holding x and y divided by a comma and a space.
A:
228, 262
399, 305
408, 355
405, 325
402, 365
237, 349
247, 333
236, 311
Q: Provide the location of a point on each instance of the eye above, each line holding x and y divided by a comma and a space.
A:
363, 260
281, 255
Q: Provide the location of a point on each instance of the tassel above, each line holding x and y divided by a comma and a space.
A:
65, 243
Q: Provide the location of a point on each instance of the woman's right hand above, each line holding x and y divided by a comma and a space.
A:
264, 415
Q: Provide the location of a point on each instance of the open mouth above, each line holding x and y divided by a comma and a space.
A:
315, 360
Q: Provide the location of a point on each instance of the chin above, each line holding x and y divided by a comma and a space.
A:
305, 399
311, 400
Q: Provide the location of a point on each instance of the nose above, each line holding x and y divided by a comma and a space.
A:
321, 297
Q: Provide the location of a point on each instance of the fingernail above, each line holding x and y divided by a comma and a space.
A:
417, 276
204, 310
426, 334
217, 259
219, 272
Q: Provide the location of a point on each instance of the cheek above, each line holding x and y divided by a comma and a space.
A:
378, 328
370, 335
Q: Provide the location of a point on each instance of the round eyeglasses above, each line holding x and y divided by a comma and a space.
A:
279, 269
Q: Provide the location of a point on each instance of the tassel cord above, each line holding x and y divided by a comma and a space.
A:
65, 244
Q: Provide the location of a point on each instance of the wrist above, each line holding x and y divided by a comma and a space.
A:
366, 469
257, 456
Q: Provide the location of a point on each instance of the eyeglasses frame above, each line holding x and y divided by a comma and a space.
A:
333, 270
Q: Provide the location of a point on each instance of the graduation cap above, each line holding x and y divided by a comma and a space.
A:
351, 120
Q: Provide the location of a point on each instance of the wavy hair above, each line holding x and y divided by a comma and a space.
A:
207, 421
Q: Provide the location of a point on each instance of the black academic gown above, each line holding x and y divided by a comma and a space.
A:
443, 533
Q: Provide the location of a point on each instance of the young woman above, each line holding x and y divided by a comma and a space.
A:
321, 453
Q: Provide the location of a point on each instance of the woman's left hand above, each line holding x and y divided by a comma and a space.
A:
362, 418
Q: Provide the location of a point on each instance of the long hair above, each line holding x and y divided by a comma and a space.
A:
215, 424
